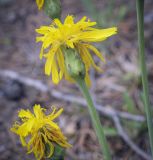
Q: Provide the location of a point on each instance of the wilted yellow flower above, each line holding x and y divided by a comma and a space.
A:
36, 130
40, 3
72, 35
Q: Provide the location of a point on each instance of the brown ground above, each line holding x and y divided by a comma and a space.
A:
19, 53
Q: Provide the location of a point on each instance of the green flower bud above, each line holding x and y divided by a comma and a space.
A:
74, 64
52, 8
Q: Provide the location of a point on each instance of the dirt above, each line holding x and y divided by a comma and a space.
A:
19, 52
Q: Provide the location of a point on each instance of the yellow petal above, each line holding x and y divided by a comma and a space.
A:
84, 56
55, 75
57, 22
49, 63
51, 149
70, 44
40, 39
25, 114
98, 34
40, 3
87, 79
48, 40
52, 124
89, 57
26, 128
23, 141
50, 59
43, 30
55, 115
69, 20
95, 50
38, 111
60, 60
41, 53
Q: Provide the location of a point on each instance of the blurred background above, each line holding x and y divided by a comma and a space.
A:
117, 92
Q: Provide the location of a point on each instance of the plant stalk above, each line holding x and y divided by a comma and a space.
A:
95, 119
140, 23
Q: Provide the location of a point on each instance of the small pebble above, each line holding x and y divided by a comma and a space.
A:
13, 90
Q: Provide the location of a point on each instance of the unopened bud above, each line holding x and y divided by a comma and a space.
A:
53, 8
74, 64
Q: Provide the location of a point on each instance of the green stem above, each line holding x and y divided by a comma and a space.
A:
140, 21
95, 119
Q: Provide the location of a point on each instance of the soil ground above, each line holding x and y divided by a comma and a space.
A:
19, 53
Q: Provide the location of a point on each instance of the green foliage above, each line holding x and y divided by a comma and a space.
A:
129, 103
132, 127
110, 131
105, 16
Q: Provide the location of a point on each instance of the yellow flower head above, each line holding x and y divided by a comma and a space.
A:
72, 35
38, 130
40, 3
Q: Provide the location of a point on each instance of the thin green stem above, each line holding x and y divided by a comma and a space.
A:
95, 119
140, 21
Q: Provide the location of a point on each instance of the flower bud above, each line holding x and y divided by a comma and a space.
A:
53, 8
74, 64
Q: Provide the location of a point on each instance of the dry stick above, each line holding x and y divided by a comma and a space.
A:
122, 133
126, 138
39, 85
111, 113
107, 111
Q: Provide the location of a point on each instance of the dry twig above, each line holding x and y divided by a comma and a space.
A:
107, 111
126, 138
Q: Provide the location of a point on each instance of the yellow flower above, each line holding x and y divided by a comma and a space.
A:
40, 3
38, 130
72, 35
